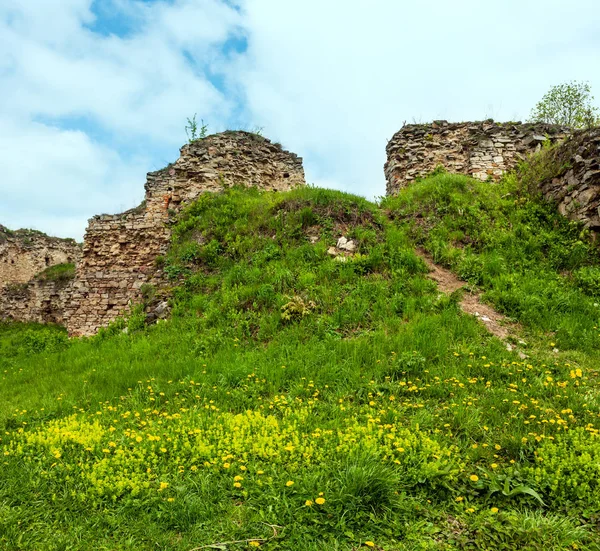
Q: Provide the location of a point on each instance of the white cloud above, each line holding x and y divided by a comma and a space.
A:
54, 180
133, 93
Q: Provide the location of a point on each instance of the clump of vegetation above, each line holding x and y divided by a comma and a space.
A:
59, 273
568, 104
293, 401
194, 132
533, 264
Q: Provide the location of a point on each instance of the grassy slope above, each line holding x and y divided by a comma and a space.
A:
352, 380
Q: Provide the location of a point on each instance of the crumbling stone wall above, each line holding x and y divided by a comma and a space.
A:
484, 150
120, 251
574, 181
38, 300
25, 253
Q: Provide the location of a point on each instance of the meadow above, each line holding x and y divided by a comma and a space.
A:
296, 401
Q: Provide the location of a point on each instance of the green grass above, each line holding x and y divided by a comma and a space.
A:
300, 402
58, 272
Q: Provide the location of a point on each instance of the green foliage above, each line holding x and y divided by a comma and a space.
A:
58, 273
567, 468
296, 308
533, 264
31, 339
338, 402
568, 104
587, 278
192, 131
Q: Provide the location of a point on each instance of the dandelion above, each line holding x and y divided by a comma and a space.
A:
254, 543
226, 465
308, 503
289, 483
320, 500
163, 486
494, 510
459, 499
474, 478
237, 478
494, 465
237, 485
369, 544
470, 510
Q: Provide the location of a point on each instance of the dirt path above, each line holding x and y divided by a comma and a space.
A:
470, 303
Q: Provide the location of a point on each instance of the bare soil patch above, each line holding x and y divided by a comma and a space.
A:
470, 303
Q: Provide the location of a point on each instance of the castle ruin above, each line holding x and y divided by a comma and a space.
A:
119, 251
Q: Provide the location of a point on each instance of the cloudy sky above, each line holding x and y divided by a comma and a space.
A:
95, 93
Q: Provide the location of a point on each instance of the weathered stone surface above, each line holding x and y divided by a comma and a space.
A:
25, 253
36, 301
484, 150
575, 185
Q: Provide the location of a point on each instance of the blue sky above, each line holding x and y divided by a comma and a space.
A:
95, 93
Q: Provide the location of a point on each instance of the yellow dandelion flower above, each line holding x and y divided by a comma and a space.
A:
474, 478
320, 500
289, 483
494, 465
369, 544
237, 478
494, 510
459, 498
254, 543
226, 465
237, 485
308, 503
470, 510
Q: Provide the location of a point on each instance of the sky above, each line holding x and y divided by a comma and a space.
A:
96, 93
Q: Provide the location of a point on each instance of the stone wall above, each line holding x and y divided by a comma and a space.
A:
574, 181
25, 253
37, 301
120, 251
484, 150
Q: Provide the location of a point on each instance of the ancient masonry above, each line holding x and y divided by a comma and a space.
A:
26, 253
120, 251
575, 184
486, 150
25, 291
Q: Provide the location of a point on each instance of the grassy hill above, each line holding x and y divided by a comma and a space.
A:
300, 400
